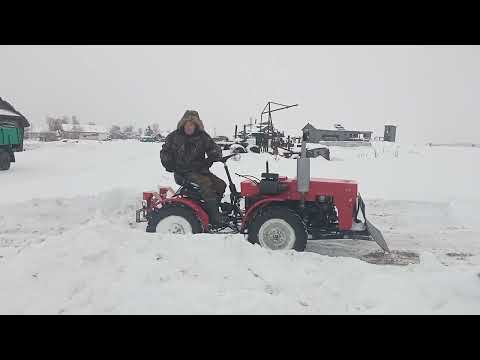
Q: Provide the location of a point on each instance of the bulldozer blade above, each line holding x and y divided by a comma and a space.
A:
377, 236
372, 229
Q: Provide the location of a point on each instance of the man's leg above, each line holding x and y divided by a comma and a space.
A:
218, 186
204, 181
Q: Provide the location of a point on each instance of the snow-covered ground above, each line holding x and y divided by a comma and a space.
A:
69, 243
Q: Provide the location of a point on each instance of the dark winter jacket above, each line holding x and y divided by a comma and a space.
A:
182, 153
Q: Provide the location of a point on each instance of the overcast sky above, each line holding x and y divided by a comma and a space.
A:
430, 92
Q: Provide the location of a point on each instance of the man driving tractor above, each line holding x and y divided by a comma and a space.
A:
279, 213
183, 154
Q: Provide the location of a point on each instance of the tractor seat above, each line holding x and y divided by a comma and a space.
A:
187, 188
180, 180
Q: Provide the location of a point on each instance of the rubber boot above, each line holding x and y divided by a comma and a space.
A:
214, 215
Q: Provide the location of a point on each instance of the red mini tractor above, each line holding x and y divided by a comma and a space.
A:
279, 213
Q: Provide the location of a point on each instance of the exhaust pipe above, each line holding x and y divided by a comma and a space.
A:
303, 171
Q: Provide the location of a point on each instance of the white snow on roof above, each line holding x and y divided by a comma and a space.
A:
6, 112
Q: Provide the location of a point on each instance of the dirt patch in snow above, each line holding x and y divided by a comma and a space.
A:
460, 255
393, 258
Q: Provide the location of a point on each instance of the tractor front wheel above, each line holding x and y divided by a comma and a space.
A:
174, 219
278, 228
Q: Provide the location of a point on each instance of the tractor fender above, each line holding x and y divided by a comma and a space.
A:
257, 206
197, 209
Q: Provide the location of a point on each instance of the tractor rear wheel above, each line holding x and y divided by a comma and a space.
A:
278, 228
174, 219
4, 160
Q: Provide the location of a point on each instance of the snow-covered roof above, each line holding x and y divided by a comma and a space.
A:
10, 112
84, 128
6, 112
337, 128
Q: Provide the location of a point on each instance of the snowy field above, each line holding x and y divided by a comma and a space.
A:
69, 243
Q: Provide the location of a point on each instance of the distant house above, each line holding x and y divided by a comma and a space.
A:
340, 134
43, 136
40, 132
84, 132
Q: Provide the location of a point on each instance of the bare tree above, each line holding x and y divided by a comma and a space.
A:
75, 120
140, 132
54, 124
155, 128
148, 131
116, 132
50, 123
76, 129
128, 131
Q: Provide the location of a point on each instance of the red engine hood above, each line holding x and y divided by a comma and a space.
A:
344, 193
318, 186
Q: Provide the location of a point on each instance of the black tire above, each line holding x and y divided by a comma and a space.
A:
4, 160
281, 213
174, 210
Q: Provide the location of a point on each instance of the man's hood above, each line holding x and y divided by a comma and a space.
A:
191, 115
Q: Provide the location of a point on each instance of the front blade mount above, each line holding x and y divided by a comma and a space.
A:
374, 232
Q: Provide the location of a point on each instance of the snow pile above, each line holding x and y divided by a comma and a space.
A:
69, 243
90, 259
377, 150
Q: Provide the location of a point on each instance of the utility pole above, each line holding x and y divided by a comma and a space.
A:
269, 127
251, 124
